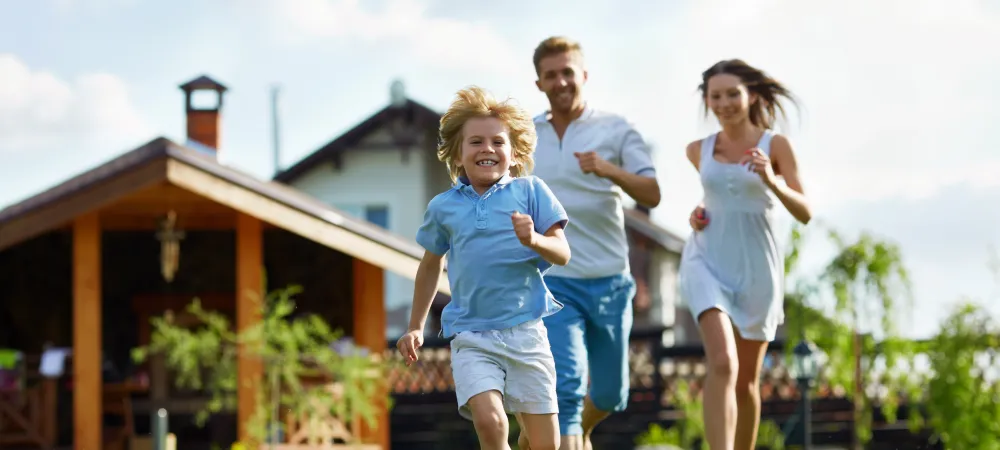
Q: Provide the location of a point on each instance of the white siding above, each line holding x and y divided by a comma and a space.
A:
663, 290
377, 177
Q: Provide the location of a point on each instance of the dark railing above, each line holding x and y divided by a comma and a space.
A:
425, 415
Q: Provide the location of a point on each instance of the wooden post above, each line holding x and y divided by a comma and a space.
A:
249, 298
369, 332
87, 384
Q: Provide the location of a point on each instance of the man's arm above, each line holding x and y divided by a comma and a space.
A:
636, 175
645, 190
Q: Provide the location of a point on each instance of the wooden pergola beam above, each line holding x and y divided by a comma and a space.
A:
87, 384
369, 325
249, 300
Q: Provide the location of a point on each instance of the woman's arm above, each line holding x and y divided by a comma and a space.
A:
791, 193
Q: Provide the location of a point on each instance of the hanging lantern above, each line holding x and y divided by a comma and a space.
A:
170, 246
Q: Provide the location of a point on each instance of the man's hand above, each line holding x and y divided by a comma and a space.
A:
408, 345
524, 227
591, 162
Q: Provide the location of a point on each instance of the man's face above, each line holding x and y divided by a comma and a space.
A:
561, 77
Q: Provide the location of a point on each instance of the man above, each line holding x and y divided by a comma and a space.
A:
588, 157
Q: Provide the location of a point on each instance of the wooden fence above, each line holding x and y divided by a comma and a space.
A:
425, 415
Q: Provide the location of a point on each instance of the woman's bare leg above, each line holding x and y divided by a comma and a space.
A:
720, 383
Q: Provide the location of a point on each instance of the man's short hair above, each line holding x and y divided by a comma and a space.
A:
554, 45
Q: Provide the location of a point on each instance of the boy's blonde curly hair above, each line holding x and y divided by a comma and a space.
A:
474, 102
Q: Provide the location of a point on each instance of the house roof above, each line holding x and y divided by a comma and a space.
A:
410, 110
164, 160
419, 113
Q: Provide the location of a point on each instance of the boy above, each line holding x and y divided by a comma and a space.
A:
501, 229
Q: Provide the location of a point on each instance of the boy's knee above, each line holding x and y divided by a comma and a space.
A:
490, 424
723, 365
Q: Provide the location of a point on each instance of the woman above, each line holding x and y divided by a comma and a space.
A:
732, 273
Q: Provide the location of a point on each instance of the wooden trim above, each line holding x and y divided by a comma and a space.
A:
249, 301
87, 383
369, 331
143, 223
320, 231
63, 211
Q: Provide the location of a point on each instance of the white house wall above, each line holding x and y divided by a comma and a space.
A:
664, 290
377, 176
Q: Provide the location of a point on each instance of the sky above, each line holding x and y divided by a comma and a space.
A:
895, 96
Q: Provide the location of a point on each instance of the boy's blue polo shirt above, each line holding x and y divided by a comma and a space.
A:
496, 282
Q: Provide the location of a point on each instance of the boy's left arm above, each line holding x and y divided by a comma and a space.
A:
548, 219
552, 246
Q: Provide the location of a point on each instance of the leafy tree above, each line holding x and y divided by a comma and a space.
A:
867, 280
291, 348
963, 399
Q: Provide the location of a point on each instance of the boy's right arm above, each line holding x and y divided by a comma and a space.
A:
433, 236
424, 289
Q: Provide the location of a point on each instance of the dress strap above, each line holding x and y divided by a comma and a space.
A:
765, 142
708, 148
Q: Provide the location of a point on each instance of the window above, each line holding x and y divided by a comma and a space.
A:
378, 215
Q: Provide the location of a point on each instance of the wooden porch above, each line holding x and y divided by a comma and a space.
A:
240, 233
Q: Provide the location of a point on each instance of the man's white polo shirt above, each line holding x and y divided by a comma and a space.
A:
596, 230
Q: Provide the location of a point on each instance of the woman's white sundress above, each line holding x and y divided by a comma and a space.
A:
734, 264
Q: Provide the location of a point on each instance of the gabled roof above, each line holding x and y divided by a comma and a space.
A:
409, 110
164, 160
420, 114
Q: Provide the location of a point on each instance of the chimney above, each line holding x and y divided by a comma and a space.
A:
203, 118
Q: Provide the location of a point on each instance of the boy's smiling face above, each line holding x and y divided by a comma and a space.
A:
486, 150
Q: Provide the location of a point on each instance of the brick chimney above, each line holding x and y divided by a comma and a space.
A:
203, 119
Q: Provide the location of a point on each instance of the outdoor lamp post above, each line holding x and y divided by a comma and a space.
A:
805, 367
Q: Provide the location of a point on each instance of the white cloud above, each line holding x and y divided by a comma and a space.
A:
948, 240
444, 42
896, 95
67, 6
41, 112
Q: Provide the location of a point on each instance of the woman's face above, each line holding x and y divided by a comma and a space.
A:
728, 98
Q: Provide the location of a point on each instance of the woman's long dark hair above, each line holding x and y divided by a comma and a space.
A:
769, 91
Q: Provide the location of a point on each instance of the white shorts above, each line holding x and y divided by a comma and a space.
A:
516, 361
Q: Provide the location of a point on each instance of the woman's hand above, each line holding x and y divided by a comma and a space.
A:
758, 162
698, 219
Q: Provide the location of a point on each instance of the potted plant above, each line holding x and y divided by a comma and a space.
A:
302, 358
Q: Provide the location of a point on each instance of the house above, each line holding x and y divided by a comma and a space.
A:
81, 267
385, 169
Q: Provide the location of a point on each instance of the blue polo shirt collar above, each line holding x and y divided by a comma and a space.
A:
465, 185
